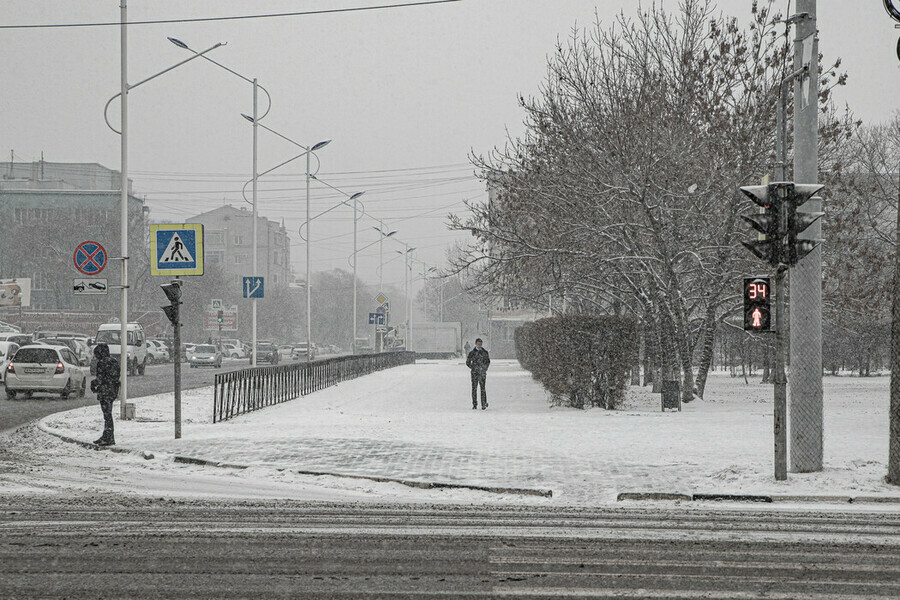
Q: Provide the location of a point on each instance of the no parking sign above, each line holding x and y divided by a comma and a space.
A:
90, 258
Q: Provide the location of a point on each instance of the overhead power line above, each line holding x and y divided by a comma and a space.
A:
233, 18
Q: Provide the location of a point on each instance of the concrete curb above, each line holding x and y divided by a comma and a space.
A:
644, 496
426, 485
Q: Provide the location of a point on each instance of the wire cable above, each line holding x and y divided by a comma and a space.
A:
233, 18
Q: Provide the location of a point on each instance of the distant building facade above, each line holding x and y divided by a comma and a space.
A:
46, 211
228, 241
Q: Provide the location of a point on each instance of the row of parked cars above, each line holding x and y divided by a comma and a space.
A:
43, 363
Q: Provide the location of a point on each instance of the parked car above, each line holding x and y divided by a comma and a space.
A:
69, 343
7, 350
266, 352
44, 368
205, 355
157, 352
19, 338
163, 348
284, 352
299, 352
232, 351
84, 350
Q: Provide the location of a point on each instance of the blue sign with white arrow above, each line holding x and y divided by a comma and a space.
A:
253, 287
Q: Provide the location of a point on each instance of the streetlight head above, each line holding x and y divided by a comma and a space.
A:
389, 233
178, 43
248, 117
356, 195
319, 145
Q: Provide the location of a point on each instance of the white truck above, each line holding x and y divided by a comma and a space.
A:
109, 333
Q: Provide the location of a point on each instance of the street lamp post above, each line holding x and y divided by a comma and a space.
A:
123, 192
308, 151
383, 234
425, 288
353, 258
405, 254
354, 197
255, 119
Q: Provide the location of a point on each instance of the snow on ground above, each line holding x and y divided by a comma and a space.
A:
416, 423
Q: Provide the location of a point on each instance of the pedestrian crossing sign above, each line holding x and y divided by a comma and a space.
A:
176, 249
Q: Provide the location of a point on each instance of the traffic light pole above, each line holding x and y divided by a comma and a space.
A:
178, 375
173, 313
780, 408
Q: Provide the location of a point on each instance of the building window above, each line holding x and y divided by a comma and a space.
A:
41, 281
276, 258
238, 240
215, 256
215, 238
274, 277
240, 259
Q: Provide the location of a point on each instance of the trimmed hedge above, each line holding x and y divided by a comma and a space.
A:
581, 360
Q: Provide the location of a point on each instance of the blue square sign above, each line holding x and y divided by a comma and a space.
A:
176, 249
253, 287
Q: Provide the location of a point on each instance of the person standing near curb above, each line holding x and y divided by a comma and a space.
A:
106, 386
478, 362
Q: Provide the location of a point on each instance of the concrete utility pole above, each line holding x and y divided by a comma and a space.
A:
893, 475
806, 414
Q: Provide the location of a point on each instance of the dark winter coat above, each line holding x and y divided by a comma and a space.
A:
478, 360
106, 385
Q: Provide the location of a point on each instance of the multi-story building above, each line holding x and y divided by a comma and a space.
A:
228, 241
46, 211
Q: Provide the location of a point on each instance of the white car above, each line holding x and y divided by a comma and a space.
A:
156, 352
43, 368
7, 350
232, 351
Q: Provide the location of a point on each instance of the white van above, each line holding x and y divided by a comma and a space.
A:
109, 334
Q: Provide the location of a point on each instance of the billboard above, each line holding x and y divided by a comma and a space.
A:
229, 320
15, 292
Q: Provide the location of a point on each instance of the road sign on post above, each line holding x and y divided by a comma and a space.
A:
90, 258
86, 286
253, 287
176, 249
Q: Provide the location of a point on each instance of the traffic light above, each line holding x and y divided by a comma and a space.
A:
769, 247
794, 248
220, 316
757, 304
173, 293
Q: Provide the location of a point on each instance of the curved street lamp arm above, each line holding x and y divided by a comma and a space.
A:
350, 258
181, 44
163, 72
266, 172
233, 72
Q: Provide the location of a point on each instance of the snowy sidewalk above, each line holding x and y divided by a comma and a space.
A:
416, 423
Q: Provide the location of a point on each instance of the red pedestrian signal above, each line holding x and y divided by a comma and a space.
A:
757, 304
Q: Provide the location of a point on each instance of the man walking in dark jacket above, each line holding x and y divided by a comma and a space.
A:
478, 361
106, 386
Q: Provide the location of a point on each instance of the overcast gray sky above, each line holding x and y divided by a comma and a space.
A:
404, 93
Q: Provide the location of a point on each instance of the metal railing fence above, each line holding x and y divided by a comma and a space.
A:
246, 390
